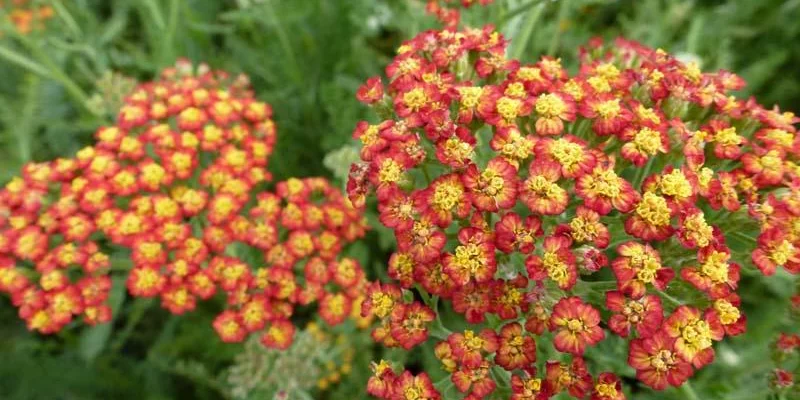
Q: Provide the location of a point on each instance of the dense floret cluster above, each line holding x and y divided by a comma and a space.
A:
556, 209
174, 195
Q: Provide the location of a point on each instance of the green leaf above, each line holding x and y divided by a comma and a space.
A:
94, 339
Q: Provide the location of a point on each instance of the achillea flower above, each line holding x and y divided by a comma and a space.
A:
576, 325
571, 174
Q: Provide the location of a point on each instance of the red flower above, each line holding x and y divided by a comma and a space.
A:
541, 192
556, 263
645, 314
512, 234
576, 324
609, 115
472, 300
229, 327
529, 388
381, 382
478, 380
467, 347
774, 250
371, 92
694, 334
715, 275
552, 109
608, 387
424, 241
651, 219
409, 324
570, 153
494, 188
642, 143
474, 259
639, 265
410, 387
279, 335
516, 350
727, 312
656, 362
586, 227
573, 377
444, 197
603, 190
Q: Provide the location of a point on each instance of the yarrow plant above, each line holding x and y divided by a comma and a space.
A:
174, 196
552, 210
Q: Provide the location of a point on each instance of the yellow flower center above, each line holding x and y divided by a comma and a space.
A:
382, 304
699, 230
472, 341
529, 74
550, 105
662, 360
654, 210
606, 390
469, 258
567, 153
716, 267
390, 171
781, 254
575, 325
508, 108
470, 96
543, 187
781, 137
556, 269
574, 89
647, 141
599, 84
606, 183
608, 71
675, 184
728, 137
491, 183
516, 89
583, 230
415, 99
447, 196
728, 313
697, 335
772, 160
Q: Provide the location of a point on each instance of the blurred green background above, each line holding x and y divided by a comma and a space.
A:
307, 58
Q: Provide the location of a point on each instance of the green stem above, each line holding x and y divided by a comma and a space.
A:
516, 11
670, 298
283, 38
687, 389
45, 64
427, 175
563, 8
527, 30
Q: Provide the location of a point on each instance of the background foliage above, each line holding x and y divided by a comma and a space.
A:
306, 58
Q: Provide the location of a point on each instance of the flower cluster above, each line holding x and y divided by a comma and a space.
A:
516, 190
26, 17
174, 194
137, 194
447, 13
305, 224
